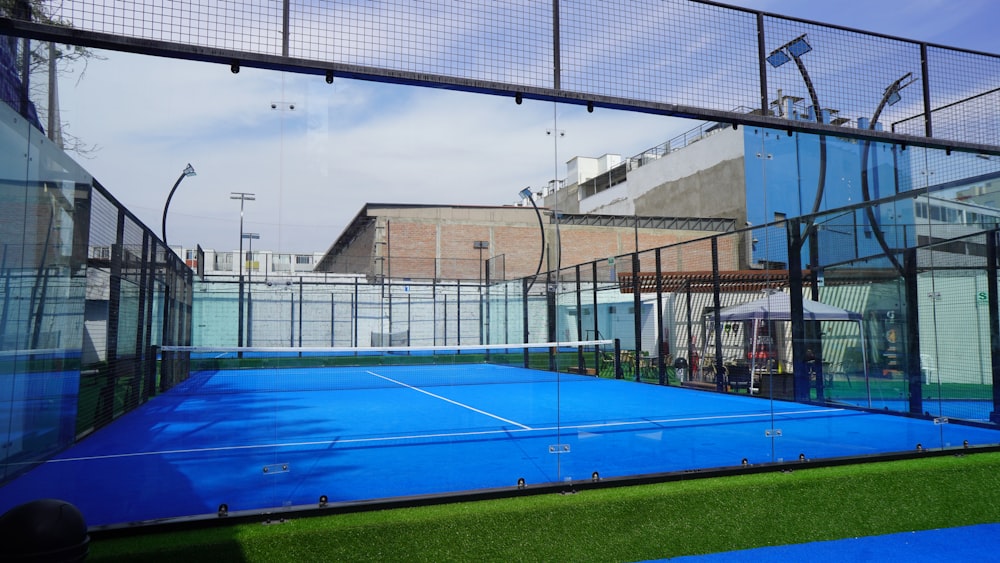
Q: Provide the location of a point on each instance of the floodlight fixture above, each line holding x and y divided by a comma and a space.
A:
799, 46
791, 50
892, 95
778, 58
188, 171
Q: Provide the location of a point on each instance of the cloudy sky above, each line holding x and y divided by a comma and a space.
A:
313, 167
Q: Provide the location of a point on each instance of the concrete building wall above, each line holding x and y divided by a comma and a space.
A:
584, 243
704, 179
565, 200
358, 260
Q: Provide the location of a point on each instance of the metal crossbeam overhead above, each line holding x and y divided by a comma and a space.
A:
715, 225
559, 51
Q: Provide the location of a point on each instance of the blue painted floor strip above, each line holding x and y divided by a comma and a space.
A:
968, 543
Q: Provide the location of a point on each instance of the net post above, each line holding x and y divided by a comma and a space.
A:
619, 374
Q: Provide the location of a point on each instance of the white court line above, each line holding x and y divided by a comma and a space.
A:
432, 436
447, 400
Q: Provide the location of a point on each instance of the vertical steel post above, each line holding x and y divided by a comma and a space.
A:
994, 308
912, 343
661, 368
637, 316
580, 360
720, 380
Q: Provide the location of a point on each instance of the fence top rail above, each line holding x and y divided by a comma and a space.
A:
385, 349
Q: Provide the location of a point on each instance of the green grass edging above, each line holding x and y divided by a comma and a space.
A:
615, 524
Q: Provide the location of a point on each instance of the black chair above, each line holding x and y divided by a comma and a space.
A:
739, 377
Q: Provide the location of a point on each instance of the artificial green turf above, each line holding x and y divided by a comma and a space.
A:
615, 524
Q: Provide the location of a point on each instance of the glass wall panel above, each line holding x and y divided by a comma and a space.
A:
42, 273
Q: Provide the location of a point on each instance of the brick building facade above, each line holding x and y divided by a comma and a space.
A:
447, 242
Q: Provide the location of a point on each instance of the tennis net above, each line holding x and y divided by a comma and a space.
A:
210, 370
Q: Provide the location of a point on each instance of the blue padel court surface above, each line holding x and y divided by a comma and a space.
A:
966, 543
259, 440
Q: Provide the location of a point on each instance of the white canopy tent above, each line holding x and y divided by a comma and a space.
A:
777, 307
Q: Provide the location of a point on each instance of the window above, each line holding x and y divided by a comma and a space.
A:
302, 259
936, 213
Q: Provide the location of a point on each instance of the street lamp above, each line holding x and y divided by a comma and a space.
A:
243, 197
188, 171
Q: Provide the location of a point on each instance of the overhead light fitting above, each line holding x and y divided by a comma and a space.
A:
793, 49
799, 46
778, 58
892, 92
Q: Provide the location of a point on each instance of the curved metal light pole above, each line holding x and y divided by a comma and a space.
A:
526, 193
889, 97
188, 171
793, 51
